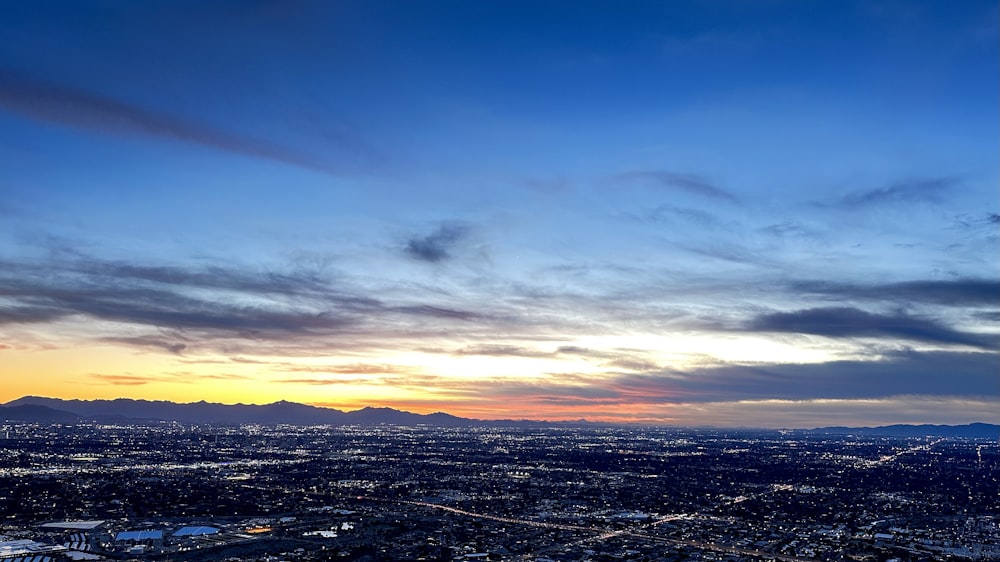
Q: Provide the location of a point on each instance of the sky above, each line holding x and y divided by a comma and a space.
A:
727, 213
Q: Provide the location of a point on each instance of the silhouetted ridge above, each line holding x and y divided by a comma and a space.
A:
283, 412
970, 431
36, 413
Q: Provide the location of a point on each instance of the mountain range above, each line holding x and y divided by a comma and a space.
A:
971, 431
54, 410
39, 409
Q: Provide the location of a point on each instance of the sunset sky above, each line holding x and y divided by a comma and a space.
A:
769, 213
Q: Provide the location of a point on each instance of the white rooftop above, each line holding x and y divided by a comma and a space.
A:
10, 549
78, 525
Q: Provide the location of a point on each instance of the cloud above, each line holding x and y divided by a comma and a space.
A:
547, 185
28, 314
987, 222
789, 229
437, 246
174, 347
69, 106
498, 350
182, 377
956, 292
727, 251
903, 386
671, 214
688, 183
170, 309
839, 322
329, 381
210, 277
587, 352
438, 312
348, 369
187, 376
927, 190
988, 315
939, 373
214, 306
631, 364
943, 373
623, 359
123, 380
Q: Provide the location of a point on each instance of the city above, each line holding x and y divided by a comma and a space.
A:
171, 491
518, 280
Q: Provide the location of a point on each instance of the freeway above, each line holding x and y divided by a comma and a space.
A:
604, 533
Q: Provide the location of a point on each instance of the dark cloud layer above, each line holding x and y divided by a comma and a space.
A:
70, 106
907, 372
26, 314
210, 301
839, 322
902, 373
958, 292
989, 315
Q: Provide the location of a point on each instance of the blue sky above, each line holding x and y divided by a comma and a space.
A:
733, 213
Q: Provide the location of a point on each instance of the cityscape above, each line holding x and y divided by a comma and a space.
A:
93, 490
499, 280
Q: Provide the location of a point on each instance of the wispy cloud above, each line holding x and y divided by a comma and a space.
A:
189, 307
328, 381
988, 221
729, 251
347, 369
672, 214
123, 380
500, 350
437, 246
925, 190
989, 315
430, 311
688, 183
70, 106
179, 377
156, 342
789, 229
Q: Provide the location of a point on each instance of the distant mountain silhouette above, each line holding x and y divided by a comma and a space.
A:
123, 410
969, 431
283, 412
36, 413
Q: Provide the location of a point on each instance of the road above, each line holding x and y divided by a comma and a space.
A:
603, 533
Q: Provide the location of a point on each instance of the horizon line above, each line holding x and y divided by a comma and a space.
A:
508, 419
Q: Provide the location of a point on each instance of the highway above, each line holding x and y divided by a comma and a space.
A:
602, 534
